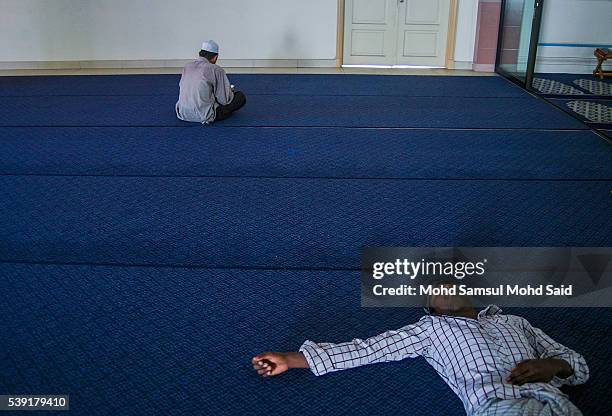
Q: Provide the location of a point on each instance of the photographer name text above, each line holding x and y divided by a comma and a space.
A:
464, 290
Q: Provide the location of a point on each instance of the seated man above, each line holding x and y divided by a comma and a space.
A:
497, 364
205, 92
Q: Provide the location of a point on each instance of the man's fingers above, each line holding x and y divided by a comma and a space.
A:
259, 357
521, 375
533, 377
518, 372
519, 382
263, 365
260, 361
521, 368
522, 365
523, 378
268, 364
264, 368
266, 356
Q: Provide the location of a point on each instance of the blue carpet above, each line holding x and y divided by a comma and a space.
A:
269, 227
303, 223
292, 111
178, 342
277, 84
568, 79
282, 152
562, 103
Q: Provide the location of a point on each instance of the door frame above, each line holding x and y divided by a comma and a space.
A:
450, 41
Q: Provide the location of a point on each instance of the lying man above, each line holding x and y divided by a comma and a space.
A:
205, 92
497, 364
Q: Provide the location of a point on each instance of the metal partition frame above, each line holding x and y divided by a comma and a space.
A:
533, 46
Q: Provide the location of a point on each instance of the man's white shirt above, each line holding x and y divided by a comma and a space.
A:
473, 356
203, 87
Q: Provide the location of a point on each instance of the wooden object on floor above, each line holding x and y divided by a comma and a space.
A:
602, 56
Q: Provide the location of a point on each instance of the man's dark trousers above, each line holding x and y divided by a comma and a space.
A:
225, 111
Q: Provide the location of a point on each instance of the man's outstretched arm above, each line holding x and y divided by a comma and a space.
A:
322, 358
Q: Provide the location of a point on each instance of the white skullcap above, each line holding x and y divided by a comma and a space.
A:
210, 46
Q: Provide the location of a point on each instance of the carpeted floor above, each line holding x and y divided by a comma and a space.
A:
575, 85
266, 84
143, 260
596, 113
305, 152
291, 111
584, 96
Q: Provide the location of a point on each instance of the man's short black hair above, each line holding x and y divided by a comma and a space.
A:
208, 55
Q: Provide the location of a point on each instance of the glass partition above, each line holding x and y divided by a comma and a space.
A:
518, 39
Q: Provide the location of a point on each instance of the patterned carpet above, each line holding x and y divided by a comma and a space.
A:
144, 261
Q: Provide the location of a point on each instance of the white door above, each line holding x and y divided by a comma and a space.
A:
423, 32
370, 31
402, 32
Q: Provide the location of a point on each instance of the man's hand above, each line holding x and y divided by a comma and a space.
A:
271, 364
541, 370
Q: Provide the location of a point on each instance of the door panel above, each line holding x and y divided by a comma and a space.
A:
423, 32
389, 32
370, 32
368, 43
421, 44
422, 12
370, 11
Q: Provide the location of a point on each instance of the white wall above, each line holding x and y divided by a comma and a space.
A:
67, 30
154, 32
584, 22
467, 16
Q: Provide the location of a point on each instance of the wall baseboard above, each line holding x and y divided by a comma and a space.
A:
464, 65
566, 65
552, 65
171, 63
484, 67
